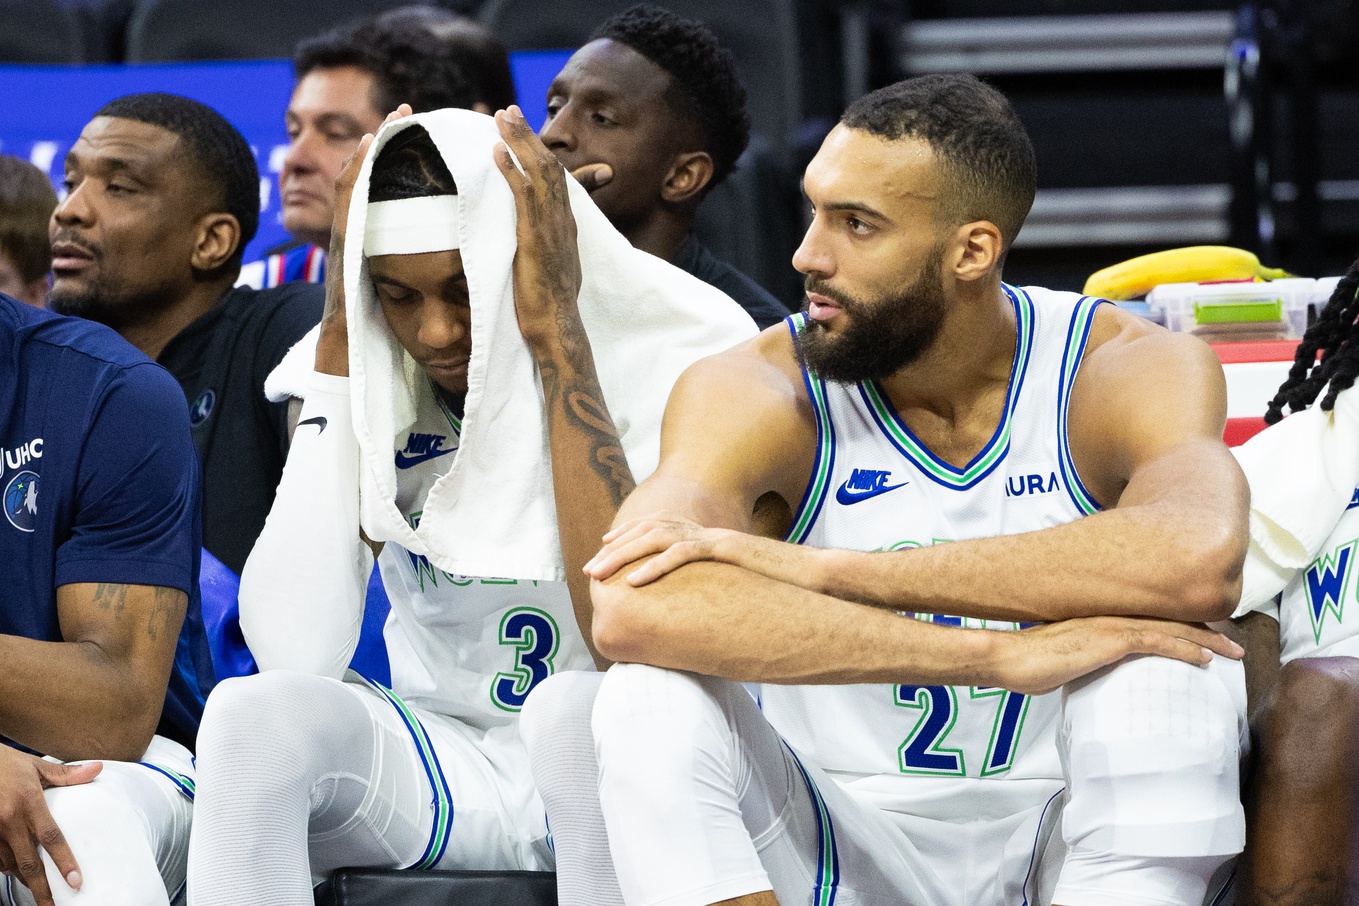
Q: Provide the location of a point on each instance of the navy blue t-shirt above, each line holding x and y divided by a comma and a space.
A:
100, 484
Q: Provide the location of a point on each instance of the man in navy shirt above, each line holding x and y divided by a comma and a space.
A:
99, 530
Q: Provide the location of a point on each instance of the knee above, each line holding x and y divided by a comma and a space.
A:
650, 715
559, 708
267, 719
110, 841
1308, 728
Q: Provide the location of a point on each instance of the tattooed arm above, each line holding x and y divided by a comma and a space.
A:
98, 693
590, 475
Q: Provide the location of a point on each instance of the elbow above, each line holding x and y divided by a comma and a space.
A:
1211, 588
621, 632
123, 735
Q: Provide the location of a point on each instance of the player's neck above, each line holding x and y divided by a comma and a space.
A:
972, 355
661, 233
152, 334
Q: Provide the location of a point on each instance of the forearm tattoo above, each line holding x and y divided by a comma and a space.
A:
582, 402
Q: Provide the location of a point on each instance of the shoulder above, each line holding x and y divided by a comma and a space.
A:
1122, 345
759, 374
279, 315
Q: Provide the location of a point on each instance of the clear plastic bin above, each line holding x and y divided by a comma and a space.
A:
1236, 310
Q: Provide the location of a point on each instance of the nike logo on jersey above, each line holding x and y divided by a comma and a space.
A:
319, 421
863, 484
422, 448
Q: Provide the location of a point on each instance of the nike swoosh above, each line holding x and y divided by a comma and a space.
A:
319, 421
405, 462
845, 496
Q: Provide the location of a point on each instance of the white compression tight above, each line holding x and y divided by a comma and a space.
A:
299, 775
128, 829
669, 788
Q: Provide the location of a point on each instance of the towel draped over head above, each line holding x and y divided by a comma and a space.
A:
492, 513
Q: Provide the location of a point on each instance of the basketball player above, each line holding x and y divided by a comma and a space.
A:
302, 773
1303, 801
981, 456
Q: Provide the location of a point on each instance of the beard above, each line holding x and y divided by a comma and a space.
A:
879, 337
87, 302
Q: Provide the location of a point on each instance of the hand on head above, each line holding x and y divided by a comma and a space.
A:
547, 273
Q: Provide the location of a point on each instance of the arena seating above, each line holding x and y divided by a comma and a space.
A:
161, 30
39, 31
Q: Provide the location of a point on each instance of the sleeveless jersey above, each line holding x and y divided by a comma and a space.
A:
1317, 614
876, 487
467, 647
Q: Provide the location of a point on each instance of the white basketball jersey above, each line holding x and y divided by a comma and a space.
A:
876, 487
1318, 616
467, 647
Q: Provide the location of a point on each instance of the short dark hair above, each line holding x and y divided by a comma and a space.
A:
483, 57
409, 166
408, 62
988, 160
27, 200
213, 147
704, 88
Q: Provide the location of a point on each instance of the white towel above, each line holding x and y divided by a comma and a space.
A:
493, 514
1302, 473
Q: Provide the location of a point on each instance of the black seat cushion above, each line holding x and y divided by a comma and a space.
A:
391, 887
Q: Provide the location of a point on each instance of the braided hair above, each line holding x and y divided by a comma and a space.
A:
409, 166
1336, 336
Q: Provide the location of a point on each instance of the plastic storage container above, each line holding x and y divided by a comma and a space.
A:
1237, 310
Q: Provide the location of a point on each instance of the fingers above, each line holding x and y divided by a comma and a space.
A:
51, 839
627, 549
68, 774
593, 176
401, 112
1201, 636
667, 561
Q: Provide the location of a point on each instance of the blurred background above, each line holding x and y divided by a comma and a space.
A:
1158, 123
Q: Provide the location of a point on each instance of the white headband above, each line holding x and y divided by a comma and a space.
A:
411, 226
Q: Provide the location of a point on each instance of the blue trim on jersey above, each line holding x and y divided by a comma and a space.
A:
825, 447
1075, 488
442, 828
1033, 851
179, 892
828, 851
1025, 323
185, 785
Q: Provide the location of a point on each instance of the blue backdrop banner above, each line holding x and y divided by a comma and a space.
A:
45, 108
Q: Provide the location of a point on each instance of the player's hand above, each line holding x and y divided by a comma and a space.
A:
1039, 660
546, 262
332, 347
26, 825
674, 540
671, 541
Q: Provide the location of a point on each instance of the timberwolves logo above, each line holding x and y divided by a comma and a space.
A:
202, 408
21, 501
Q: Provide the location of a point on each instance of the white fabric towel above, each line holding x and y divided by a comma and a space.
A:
493, 514
1302, 473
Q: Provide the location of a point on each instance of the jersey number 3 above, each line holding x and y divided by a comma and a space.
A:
923, 751
534, 635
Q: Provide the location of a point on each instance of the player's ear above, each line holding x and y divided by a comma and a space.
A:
689, 173
215, 242
978, 248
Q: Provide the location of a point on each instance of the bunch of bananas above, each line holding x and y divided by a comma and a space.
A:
1195, 264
